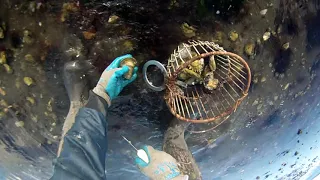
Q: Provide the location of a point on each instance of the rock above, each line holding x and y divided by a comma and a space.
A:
88, 35
249, 49
263, 12
19, 123
1, 33
31, 100
256, 102
8, 69
263, 79
266, 36
28, 81
2, 92
3, 57
233, 35
286, 46
29, 58
188, 30
112, 19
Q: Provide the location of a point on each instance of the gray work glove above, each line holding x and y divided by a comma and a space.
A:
161, 166
112, 81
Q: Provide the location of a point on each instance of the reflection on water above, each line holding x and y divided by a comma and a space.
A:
282, 99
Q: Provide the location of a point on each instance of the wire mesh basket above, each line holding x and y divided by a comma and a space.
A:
203, 82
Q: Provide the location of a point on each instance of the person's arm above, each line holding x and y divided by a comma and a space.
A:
85, 144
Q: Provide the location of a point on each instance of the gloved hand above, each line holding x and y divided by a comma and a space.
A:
161, 166
112, 81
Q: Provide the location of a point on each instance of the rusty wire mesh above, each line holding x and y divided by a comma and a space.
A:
192, 103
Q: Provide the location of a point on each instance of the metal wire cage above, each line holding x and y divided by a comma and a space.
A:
192, 103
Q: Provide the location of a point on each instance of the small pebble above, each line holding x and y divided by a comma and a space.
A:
19, 123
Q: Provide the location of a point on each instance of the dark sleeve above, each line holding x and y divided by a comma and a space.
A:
85, 145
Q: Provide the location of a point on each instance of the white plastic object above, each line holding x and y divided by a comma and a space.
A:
143, 155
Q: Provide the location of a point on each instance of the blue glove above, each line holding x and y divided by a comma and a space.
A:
161, 166
112, 81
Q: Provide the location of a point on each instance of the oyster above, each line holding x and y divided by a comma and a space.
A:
233, 35
3, 58
212, 63
28, 81
210, 83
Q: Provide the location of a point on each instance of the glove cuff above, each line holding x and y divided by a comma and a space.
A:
102, 94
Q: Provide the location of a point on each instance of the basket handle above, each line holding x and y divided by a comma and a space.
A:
163, 70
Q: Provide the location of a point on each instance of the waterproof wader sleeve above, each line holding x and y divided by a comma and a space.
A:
85, 144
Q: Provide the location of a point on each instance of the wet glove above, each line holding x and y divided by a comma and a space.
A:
112, 81
161, 166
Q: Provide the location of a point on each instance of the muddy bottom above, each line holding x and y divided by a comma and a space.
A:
273, 134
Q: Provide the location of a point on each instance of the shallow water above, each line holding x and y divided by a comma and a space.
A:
258, 141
